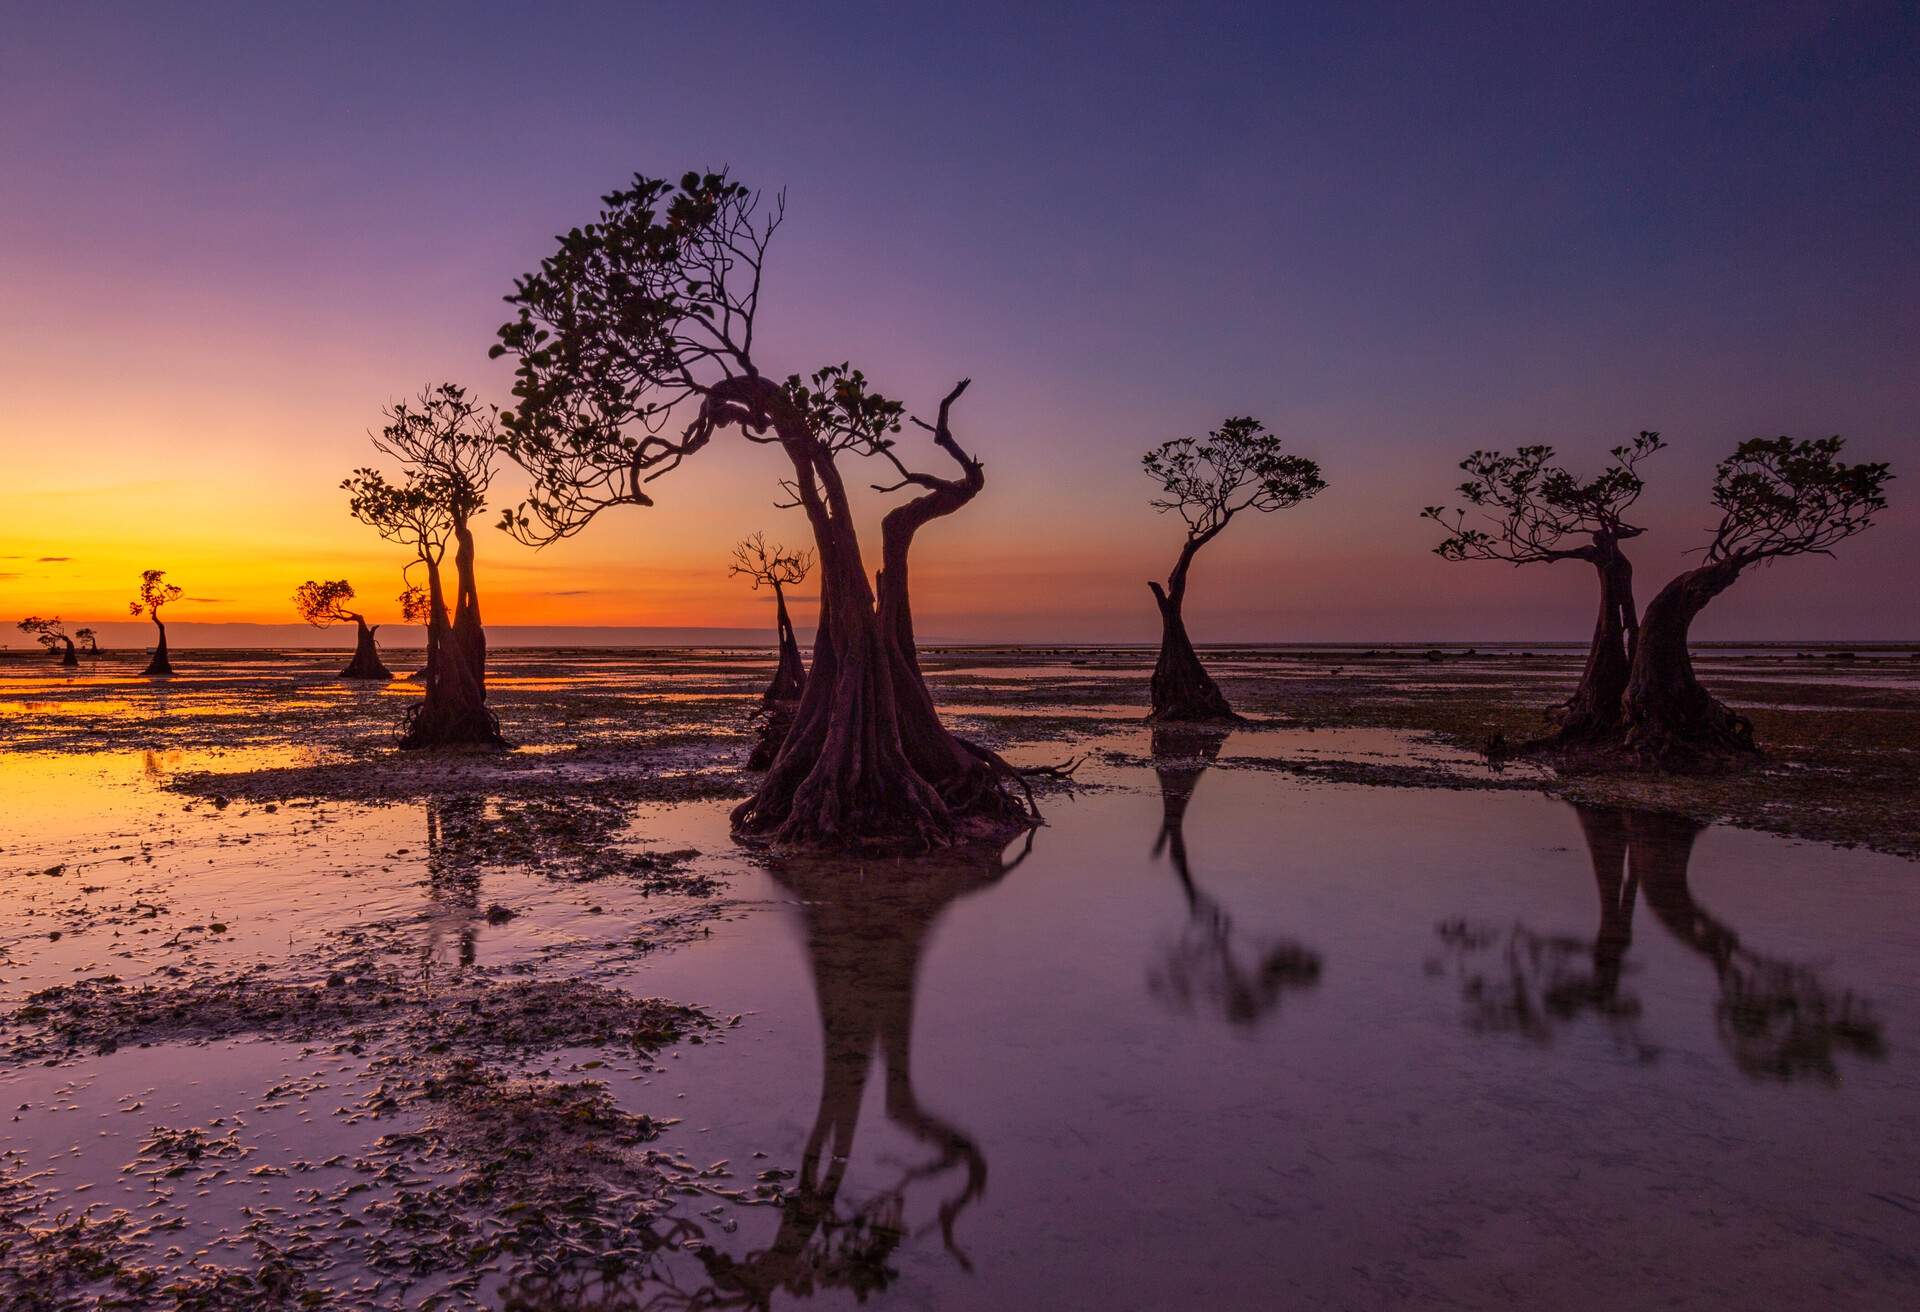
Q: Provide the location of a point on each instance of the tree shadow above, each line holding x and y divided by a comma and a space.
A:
1778, 1019
1210, 967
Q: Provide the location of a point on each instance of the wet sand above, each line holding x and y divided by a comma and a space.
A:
1328, 1011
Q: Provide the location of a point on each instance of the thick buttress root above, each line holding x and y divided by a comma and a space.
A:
366, 663
867, 764
1183, 691
454, 712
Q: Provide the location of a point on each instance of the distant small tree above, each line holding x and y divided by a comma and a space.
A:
778, 568
446, 442
1777, 497
322, 604
1207, 481
52, 635
1535, 512
89, 641
156, 592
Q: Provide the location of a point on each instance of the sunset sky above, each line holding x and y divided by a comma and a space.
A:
229, 235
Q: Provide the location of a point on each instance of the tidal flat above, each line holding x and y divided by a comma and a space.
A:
1334, 1009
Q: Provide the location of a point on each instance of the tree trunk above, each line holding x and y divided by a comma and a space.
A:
159, 665
867, 762
790, 677
72, 658
1592, 715
454, 712
780, 703
366, 662
1670, 720
1183, 691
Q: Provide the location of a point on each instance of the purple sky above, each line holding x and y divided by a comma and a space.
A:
1395, 233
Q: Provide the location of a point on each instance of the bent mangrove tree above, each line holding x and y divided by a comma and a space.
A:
1777, 497
52, 635
445, 443
1538, 512
1208, 480
778, 568
323, 604
635, 344
155, 593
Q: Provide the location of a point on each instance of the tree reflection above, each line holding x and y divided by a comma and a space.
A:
866, 933
1778, 1019
455, 828
1205, 968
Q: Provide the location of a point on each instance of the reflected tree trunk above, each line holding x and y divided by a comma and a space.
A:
1208, 963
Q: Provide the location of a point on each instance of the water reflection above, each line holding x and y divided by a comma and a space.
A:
1778, 1019
1205, 969
865, 934
454, 832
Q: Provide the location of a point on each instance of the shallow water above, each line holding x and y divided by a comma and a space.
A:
1378, 1046
1221, 1037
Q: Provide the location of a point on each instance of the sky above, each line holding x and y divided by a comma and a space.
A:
230, 234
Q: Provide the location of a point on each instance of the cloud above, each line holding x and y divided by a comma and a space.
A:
9, 575
54, 560
211, 601
572, 592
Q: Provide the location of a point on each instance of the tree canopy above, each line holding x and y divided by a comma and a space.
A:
1778, 497
1534, 506
770, 565
1237, 466
155, 592
323, 603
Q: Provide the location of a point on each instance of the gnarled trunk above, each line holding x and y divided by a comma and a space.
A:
366, 662
454, 712
867, 761
71, 658
1182, 688
1670, 720
1592, 715
159, 666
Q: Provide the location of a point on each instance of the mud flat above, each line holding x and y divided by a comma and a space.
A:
1329, 1008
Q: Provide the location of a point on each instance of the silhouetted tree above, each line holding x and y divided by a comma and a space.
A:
644, 319
1535, 509
1208, 480
1777, 497
156, 592
1209, 963
445, 442
779, 569
52, 635
89, 641
325, 603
